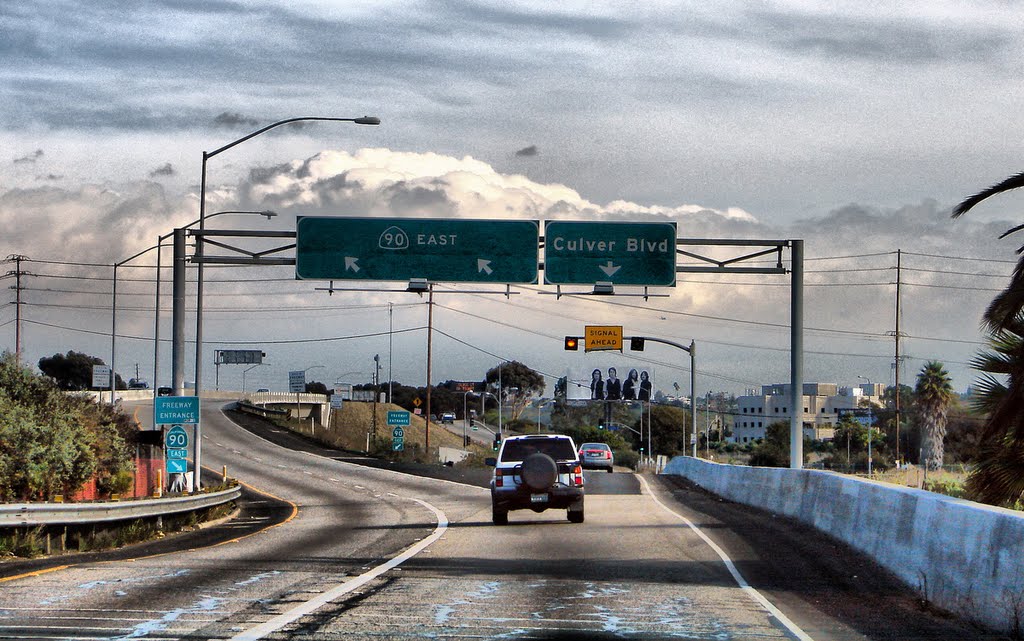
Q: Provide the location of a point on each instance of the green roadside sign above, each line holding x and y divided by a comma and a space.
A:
451, 250
585, 253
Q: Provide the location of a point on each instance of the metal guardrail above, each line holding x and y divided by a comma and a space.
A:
34, 514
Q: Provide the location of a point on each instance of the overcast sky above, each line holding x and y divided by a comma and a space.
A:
855, 127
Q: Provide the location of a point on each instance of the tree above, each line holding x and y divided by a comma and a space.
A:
773, 451
519, 384
73, 371
998, 474
934, 394
998, 477
316, 387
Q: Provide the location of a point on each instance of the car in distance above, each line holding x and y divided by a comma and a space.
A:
448, 417
262, 390
536, 472
596, 456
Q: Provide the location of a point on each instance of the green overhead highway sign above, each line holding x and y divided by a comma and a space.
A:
585, 253
452, 250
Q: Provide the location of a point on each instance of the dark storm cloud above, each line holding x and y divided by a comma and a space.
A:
30, 158
163, 170
890, 40
528, 151
229, 119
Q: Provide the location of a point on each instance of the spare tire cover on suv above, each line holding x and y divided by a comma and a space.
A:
539, 471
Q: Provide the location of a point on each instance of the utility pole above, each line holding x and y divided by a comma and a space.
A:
899, 257
17, 304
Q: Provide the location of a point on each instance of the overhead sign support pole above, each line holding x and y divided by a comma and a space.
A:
796, 355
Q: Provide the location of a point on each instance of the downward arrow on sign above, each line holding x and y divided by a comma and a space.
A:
610, 269
484, 266
350, 263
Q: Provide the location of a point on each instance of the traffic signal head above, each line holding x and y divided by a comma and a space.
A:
497, 444
636, 344
572, 343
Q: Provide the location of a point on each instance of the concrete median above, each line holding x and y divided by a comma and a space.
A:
962, 556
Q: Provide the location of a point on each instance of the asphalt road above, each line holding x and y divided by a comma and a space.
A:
634, 569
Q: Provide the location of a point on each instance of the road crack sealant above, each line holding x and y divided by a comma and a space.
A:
775, 614
276, 623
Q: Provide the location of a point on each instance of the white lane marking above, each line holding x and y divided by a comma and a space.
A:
335, 480
299, 611
754, 594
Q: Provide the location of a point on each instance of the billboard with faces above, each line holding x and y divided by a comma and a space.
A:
616, 382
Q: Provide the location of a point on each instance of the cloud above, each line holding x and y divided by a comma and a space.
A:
163, 170
231, 119
50, 177
29, 158
528, 151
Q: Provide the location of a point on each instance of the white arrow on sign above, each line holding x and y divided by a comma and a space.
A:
350, 263
610, 269
484, 266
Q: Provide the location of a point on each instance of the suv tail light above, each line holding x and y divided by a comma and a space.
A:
578, 473
497, 478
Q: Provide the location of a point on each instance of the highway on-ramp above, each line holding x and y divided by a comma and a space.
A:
371, 553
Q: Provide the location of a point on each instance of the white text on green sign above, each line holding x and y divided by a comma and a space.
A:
398, 418
584, 253
169, 410
453, 250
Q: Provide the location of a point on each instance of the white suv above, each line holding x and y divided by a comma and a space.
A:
537, 472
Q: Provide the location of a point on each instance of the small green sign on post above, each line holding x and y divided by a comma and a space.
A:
398, 417
452, 250
585, 253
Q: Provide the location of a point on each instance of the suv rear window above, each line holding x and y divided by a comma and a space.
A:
559, 449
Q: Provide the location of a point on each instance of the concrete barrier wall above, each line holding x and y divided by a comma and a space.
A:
962, 556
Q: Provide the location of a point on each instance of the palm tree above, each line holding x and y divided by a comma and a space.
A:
934, 393
1006, 306
998, 474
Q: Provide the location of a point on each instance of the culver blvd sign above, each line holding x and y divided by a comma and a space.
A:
583, 253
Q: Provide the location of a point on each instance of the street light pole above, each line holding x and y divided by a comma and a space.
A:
365, 120
871, 421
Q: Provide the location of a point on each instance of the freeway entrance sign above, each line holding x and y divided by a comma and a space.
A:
585, 253
453, 250
398, 417
170, 410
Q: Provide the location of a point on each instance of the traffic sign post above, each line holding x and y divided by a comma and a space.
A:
452, 250
586, 253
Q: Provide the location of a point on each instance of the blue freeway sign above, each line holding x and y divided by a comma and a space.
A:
397, 445
398, 433
177, 466
398, 417
453, 250
169, 410
584, 253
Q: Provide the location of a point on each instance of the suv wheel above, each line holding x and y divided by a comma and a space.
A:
499, 517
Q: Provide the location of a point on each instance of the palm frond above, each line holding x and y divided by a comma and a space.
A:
1013, 182
998, 476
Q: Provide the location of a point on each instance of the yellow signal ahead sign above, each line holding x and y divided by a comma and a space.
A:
603, 337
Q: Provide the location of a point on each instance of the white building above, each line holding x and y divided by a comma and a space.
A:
822, 403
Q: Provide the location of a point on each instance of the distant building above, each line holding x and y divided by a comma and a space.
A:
822, 404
